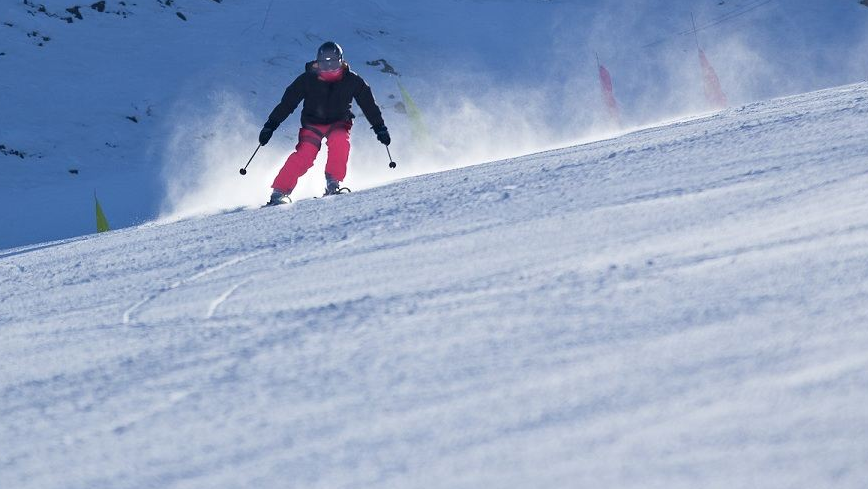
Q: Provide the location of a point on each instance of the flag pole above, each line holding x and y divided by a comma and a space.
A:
695, 36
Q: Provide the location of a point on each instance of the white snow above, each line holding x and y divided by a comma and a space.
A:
682, 306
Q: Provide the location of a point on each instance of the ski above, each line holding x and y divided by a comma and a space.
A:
339, 191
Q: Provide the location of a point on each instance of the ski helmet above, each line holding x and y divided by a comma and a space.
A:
330, 57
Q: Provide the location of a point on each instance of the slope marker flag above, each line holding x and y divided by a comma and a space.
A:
420, 131
608, 93
713, 91
102, 224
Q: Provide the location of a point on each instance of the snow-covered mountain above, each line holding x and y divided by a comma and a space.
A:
154, 104
682, 306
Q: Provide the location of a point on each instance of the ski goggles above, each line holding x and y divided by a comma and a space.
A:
329, 64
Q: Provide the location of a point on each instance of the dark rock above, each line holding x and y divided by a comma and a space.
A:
864, 2
386, 67
11, 152
99, 6
181, 16
74, 171
76, 12
133, 118
44, 11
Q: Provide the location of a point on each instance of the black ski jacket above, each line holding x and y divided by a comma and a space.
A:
324, 102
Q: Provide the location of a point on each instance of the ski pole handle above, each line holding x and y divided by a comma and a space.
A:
243, 171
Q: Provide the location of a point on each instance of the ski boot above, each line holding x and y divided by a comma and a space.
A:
333, 187
278, 198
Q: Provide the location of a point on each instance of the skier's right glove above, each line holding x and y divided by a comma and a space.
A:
383, 135
265, 135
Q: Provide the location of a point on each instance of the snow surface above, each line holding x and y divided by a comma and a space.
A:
494, 79
683, 306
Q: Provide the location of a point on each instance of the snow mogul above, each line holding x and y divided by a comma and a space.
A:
328, 88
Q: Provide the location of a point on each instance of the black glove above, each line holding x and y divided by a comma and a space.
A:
383, 135
265, 135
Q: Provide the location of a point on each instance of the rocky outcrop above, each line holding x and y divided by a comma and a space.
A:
385, 66
11, 152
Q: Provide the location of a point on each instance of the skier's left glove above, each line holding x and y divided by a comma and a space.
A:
265, 135
383, 135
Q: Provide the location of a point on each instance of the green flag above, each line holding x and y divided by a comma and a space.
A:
102, 224
420, 132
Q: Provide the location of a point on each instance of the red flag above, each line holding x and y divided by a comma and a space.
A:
609, 95
713, 92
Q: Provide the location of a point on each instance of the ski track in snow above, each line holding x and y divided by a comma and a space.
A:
680, 307
223, 297
127, 317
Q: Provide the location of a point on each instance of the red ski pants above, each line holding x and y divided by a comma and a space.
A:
310, 138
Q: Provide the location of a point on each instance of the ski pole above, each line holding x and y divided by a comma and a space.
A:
243, 171
392, 163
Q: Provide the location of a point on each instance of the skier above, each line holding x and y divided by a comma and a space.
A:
328, 88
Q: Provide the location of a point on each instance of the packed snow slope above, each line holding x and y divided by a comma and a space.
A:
155, 104
683, 306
